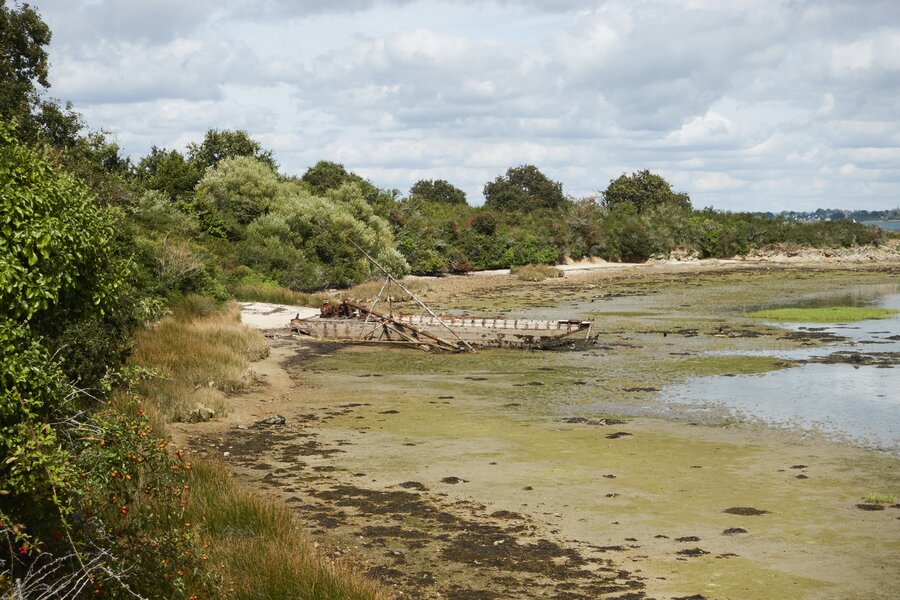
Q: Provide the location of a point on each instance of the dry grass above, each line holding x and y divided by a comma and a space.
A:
256, 544
535, 272
275, 295
364, 292
199, 355
368, 290
264, 552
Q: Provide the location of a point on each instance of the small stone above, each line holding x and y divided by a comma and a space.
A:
201, 413
272, 420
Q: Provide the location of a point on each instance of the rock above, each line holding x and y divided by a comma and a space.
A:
746, 511
692, 552
454, 480
272, 420
202, 413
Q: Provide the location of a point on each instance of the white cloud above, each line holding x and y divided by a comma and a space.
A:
750, 105
711, 128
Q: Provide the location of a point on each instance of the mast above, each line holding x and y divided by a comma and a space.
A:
411, 295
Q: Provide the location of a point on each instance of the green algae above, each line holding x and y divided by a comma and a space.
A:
829, 314
494, 419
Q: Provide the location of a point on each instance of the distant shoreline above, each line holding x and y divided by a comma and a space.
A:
887, 225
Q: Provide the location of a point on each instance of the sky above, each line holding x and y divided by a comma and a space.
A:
762, 105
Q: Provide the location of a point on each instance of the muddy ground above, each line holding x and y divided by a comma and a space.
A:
528, 475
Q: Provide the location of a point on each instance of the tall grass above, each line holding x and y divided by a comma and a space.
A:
256, 545
275, 295
368, 290
535, 272
198, 355
259, 544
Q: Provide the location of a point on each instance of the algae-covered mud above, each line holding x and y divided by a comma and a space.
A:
511, 474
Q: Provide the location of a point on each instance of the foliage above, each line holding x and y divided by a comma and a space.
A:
70, 307
64, 269
24, 76
217, 145
51, 230
168, 172
325, 175
523, 188
23, 61
304, 243
643, 190
437, 190
233, 193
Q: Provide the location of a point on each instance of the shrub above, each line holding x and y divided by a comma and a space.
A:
535, 272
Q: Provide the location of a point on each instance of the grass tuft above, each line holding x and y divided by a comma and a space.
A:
368, 290
275, 295
880, 498
262, 549
535, 272
831, 314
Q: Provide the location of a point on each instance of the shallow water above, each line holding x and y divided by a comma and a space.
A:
859, 403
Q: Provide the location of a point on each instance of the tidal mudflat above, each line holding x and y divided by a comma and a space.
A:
509, 474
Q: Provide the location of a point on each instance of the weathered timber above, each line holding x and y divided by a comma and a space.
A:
353, 322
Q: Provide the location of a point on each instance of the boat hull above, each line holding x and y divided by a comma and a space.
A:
454, 332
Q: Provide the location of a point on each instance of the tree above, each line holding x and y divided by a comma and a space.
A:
325, 175
437, 190
234, 193
218, 145
23, 79
523, 188
303, 242
23, 61
643, 190
63, 288
168, 172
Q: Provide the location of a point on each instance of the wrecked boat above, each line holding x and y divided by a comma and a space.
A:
352, 322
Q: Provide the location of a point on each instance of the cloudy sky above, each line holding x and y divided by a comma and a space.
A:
745, 104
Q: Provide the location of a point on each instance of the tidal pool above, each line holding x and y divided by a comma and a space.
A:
856, 402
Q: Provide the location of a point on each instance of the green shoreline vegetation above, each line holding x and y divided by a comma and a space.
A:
114, 278
828, 314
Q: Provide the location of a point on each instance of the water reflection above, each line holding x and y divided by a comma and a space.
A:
859, 403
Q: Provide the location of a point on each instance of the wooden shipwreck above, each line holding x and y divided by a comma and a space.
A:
350, 321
